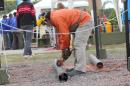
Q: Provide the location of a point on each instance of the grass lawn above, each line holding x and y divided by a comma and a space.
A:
19, 58
113, 49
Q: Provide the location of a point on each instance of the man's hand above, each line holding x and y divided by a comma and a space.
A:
60, 62
66, 53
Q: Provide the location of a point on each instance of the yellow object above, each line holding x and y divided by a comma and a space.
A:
108, 27
40, 21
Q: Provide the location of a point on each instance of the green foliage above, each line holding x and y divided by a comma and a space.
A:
9, 6
111, 15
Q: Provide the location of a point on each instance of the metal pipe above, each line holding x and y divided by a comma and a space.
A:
93, 59
96, 29
127, 34
61, 73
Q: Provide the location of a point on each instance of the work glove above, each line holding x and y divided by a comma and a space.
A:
40, 21
66, 53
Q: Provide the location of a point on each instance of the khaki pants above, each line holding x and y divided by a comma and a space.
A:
80, 42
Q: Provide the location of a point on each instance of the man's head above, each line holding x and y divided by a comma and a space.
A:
60, 6
14, 13
42, 11
10, 15
4, 16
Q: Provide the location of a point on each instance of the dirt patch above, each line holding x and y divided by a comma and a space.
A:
40, 73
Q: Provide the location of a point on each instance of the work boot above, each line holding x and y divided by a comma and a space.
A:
68, 70
75, 72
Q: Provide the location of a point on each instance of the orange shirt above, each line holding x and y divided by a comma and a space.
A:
62, 19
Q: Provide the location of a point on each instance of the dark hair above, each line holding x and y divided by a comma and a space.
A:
60, 6
4, 16
10, 15
14, 13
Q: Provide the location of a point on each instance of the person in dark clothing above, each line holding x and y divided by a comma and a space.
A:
26, 20
18, 42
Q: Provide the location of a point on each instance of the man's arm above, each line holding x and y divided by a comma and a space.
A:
64, 39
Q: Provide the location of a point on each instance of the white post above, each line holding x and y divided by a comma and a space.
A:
118, 14
37, 32
53, 3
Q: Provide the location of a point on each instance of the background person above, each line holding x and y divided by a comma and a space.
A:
26, 20
18, 41
10, 23
4, 27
